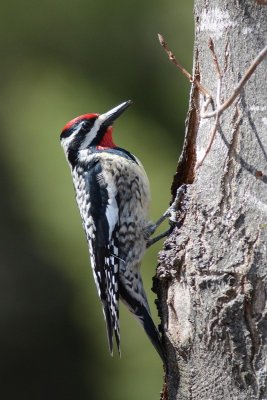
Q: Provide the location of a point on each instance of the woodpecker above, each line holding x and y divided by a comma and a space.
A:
113, 196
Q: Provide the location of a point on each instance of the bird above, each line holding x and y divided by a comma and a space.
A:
113, 196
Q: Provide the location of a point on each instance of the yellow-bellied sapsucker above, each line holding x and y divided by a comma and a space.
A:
113, 195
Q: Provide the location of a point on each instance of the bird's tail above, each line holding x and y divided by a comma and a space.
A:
112, 328
151, 331
142, 313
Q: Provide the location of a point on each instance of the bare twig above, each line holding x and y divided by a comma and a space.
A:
212, 136
260, 57
218, 104
215, 59
214, 129
173, 59
218, 95
220, 108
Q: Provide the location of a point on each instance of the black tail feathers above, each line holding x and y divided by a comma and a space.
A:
111, 329
143, 316
151, 331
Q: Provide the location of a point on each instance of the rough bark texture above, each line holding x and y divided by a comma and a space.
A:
212, 274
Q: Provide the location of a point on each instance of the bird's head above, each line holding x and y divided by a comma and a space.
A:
90, 130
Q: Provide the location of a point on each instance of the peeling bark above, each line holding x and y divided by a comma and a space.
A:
211, 280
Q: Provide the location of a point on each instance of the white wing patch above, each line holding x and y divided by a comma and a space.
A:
112, 214
112, 209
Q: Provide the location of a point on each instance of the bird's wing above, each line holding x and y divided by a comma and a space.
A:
102, 219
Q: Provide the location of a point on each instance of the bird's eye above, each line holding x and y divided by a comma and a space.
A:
87, 124
82, 125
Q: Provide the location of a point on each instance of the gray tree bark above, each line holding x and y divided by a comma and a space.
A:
211, 280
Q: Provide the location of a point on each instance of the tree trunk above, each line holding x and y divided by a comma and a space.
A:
211, 280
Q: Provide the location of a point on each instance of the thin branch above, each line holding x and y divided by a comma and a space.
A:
215, 59
218, 104
212, 136
173, 59
214, 129
220, 108
260, 57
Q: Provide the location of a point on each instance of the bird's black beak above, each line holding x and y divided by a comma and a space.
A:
109, 117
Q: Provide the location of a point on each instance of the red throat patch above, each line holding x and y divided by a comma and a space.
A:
107, 140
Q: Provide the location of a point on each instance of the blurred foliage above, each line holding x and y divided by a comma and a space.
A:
59, 60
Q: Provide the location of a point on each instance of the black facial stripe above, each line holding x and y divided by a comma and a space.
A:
67, 132
85, 126
100, 134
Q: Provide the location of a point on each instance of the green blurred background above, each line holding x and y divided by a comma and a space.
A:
60, 59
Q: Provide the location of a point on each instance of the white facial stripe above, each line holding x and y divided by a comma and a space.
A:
91, 134
65, 142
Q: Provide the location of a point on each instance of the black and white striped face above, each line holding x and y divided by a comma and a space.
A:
89, 129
